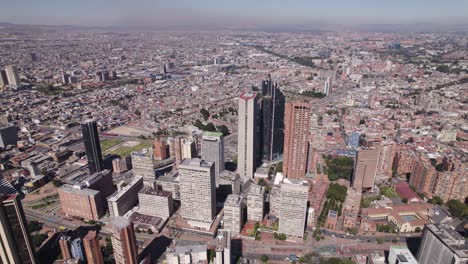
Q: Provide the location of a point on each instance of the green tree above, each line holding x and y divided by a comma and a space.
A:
264, 258
223, 129
458, 209
57, 183
279, 167
205, 113
380, 240
417, 229
150, 231
436, 200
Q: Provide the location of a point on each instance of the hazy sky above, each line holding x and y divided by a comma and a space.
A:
232, 12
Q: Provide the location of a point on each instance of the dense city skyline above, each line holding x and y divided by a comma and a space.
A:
214, 132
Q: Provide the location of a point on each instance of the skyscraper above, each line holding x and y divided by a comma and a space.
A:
442, 244
365, 169
197, 192
123, 241
296, 139
327, 90
12, 75
248, 134
213, 150
273, 121
15, 241
4, 76
92, 248
92, 145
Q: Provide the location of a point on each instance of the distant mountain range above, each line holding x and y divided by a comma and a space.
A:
311, 27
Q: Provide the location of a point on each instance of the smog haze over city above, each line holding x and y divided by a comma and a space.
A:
219, 132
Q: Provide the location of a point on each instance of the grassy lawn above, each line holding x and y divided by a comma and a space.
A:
125, 151
389, 192
109, 143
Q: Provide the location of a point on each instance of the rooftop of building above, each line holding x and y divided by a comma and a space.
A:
256, 189
403, 254
184, 248
85, 192
212, 134
120, 222
125, 189
247, 95
196, 163
450, 237
152, 191
233, 200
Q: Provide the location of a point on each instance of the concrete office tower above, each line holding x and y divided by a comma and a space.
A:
64, 244
365, 169
2, 81
197, 192
327, 90
255, 203
123, 241
155, 202
4, 76
125, 199
121, 165
188, 149
273, 102
143, 164
92, 248
8, 136
296, 139
293, 209
248, 135
212, 149
85, 203
16, 246
187, 254
12, 75
92, 146
401, 255
233, 213
160, 149
77, 249
442, 244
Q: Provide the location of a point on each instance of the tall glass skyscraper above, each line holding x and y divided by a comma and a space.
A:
273, 102
92, 146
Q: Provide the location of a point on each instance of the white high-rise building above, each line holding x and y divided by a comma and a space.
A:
143, 164
442, 244
233, 213
327, 90
197, 192
12, 75
293, 209
248, 131
212, 149
255, 203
